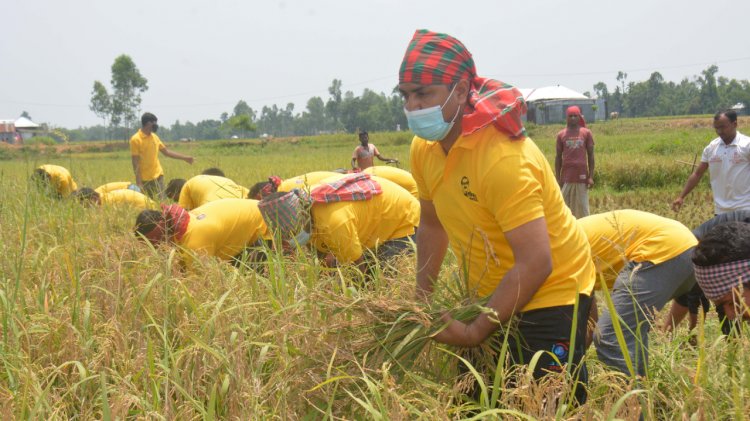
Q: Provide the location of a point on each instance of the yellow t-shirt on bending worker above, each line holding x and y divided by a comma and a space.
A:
61, 179
224, 228
621, 236
401, 177
305, 181
202, 189
147, 148
115, 185
346, 229
127, 197
489, 184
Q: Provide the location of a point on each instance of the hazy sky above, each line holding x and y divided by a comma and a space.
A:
201, 57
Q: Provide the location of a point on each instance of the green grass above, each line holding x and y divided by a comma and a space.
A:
96, 325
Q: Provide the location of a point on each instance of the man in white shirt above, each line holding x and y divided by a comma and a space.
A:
728, 160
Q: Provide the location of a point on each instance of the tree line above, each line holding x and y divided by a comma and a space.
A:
706, 93
343, 111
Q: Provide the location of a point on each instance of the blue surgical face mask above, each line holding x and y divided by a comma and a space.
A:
428, 123
302, 238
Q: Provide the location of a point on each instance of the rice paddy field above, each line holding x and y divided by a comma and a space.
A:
95, 324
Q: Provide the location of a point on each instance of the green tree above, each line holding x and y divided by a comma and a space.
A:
243, 109
101, 102
709, 92
127, 86
241, 124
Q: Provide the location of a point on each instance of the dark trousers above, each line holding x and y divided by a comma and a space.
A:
548, 329
154, 188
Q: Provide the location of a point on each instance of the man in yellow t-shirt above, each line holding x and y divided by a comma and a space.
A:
56, 178
488, 191
351, 231
644, 259
401, 177
145, 146
202, 189
222, 228
119, 197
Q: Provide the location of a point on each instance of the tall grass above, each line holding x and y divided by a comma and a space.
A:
97, 325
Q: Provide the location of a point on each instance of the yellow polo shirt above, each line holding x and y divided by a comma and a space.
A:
202, 189
147, 148
346, 229
116, 185
305, 180
627, 235
127, 197
223, 228
61, 179
489, 184
397, 175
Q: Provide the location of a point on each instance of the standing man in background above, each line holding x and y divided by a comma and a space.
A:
145, 146
727, 159
362, 157
574, 162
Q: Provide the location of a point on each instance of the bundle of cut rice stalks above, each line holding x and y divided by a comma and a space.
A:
399, 331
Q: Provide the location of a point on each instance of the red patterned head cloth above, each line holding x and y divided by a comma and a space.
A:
174, 217
574, 110
352, 188
272, 186
287, 213
439, 59
717, 280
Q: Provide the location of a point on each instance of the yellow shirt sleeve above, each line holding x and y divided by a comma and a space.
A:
338, 235
416, 152
186, 199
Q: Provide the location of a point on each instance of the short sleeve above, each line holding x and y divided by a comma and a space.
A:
514, 192
354, 154
134, 147
159, 143
416, 153
559, 143
186, 201
375, 150
706, 156
343, 242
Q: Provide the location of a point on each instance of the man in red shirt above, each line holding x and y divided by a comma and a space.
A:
363, 154
574, 162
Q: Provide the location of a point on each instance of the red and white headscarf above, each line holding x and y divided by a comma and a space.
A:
717, 280
439, 59
174, 221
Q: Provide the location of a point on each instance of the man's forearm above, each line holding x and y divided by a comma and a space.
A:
136, 161
690, 185
432, 244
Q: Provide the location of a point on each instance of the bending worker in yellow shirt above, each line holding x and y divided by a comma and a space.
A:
145, 146
55, 178
346, 217
486, 189
202, 189
223, 228
645, 261
127, 197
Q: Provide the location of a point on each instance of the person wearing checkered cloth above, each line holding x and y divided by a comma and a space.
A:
722, 269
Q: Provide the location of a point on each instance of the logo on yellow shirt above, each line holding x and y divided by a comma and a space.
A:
465, 188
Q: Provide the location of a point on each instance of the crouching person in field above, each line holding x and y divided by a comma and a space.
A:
202, 189
56, 180
119, 197
645, 262
222, 228
693, 301
275, 184
486, 189
722, 269
353, 219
